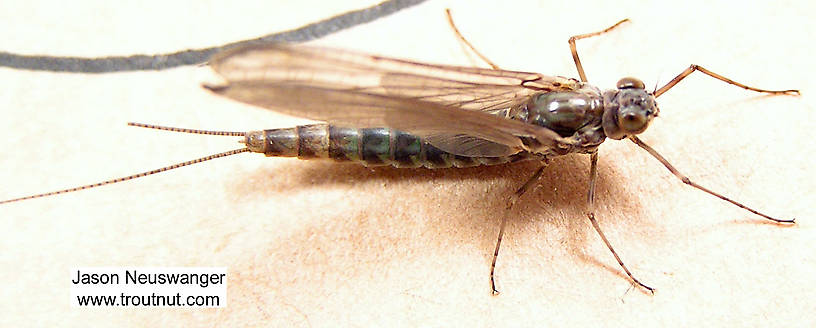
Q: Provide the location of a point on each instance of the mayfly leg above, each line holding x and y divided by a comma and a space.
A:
594, 159
694, 68
513, 199
466, 42
574, 50
593, 177
688, 181
691, 69
522, 190
593, 170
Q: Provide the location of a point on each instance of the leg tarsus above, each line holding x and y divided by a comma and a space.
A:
595, 225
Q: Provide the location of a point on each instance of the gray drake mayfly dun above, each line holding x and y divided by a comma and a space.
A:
386, 111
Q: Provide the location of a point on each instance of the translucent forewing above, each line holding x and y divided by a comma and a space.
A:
451, 106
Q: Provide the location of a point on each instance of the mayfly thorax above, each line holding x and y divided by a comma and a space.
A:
385, 111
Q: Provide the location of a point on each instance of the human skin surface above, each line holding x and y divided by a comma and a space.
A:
312, 243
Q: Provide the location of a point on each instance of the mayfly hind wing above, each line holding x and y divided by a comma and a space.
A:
444, 104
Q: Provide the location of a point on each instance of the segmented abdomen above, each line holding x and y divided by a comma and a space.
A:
371, 147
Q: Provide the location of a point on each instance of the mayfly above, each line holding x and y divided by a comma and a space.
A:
386, 111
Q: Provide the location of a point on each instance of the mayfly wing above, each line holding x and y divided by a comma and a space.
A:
363, 110
470, 88
451, 106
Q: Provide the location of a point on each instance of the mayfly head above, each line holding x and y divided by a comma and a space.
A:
629, 109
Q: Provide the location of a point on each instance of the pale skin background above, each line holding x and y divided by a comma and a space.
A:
318, 244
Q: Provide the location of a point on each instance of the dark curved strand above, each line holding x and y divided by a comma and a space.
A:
197, 56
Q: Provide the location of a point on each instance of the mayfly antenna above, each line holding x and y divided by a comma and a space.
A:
151, 172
